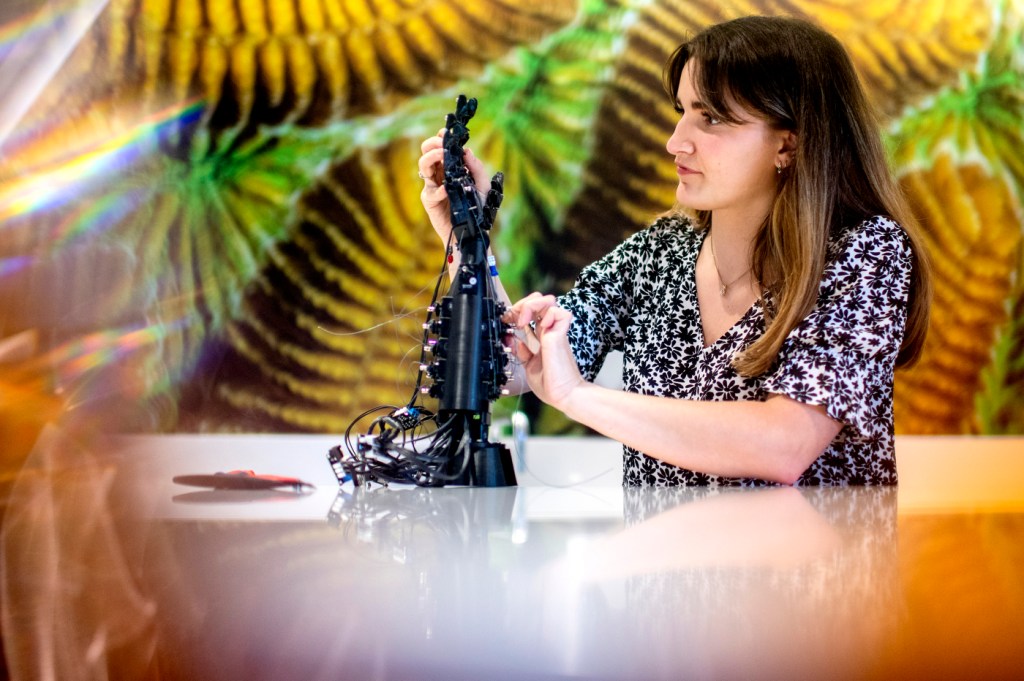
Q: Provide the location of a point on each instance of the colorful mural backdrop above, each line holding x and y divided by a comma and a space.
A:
209, 209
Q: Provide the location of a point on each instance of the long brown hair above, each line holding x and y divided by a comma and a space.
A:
797, 77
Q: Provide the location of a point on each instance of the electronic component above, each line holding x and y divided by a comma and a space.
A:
463, 354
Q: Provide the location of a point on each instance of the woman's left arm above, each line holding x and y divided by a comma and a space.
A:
775, 440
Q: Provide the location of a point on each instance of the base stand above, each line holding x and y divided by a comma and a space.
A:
489, 465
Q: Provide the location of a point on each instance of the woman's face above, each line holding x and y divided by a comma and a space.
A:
724, 167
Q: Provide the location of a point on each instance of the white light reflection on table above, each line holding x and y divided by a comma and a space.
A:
112, 572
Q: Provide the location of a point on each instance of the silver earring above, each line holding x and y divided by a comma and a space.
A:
778, 168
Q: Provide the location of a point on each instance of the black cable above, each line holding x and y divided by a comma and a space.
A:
393, 454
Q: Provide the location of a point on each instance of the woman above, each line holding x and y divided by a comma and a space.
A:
761, 320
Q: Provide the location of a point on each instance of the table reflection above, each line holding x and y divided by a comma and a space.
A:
736, 584
438, 583
460, 583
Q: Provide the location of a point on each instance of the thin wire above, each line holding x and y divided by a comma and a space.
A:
393, 320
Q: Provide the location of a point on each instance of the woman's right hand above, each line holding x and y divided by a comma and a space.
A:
433, 196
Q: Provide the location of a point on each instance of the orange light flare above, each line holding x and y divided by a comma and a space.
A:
27, 401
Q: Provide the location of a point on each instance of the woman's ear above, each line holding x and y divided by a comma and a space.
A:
787, 149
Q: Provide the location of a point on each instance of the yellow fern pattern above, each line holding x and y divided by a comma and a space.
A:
279, 62
974, 238
271, 204
336, 315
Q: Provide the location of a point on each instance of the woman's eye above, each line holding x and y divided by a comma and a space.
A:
711, 120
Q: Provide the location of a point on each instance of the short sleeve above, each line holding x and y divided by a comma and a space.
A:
599, 302
843, 354
604, 299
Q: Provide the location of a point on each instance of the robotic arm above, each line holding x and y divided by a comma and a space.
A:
469, 363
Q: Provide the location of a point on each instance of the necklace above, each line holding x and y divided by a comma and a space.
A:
723, 288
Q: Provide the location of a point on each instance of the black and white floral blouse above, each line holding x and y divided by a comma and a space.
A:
642, 299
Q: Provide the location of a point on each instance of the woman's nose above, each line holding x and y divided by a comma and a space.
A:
679, 141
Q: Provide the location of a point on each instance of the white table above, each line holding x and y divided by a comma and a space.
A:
567, 575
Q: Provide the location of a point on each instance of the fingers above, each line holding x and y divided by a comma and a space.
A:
431, 165
431, 171
555, 318
525, 349
525, 338
534, 316
434, 142
531, 309
521, 316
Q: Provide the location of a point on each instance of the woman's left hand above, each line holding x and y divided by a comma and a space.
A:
551, 369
